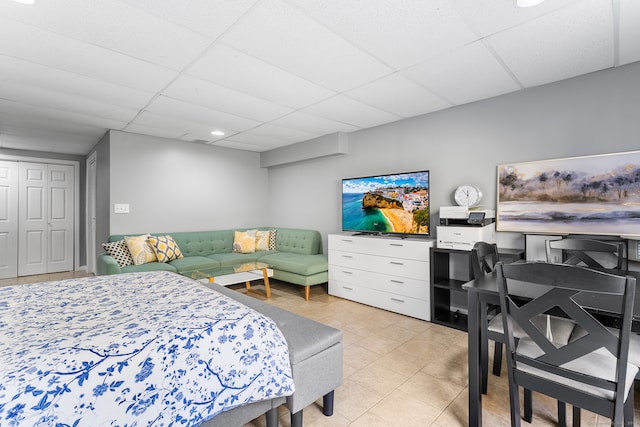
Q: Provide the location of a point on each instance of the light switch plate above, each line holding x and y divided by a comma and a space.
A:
121, 208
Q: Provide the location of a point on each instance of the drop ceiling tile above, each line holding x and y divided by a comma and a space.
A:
35, 75
209, 17
19, 114
281, 133
118, 27
56, 51
349, 111
169, 123
316, 124
44, 98
233, 69
464, 75
398, 95
228, 123
414, 30
286, 38
568, 42
259, 142
629, 31
489, 17
223, 99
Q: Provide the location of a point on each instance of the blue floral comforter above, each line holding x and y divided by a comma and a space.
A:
134, 349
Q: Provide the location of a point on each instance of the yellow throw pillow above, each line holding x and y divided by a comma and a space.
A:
244, 242
165, 248
262, 240
140, 249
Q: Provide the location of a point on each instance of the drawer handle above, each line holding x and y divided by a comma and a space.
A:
347, 240
397, 281
397, 299
396, 244
347, 272
347, 256
396, 263
347, 288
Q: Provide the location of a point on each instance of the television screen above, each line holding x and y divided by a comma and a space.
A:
393, 203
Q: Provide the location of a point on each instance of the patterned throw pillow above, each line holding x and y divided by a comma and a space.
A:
166, 248
262, 240
120, 252
244, 242
141, 250
272, 239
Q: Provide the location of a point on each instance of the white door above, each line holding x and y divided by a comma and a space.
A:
60, 218
8, 219
46, 218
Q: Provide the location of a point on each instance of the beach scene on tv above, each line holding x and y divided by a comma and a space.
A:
397, 203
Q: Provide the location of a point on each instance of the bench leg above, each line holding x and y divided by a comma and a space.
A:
272, 417
296, 419
327, 404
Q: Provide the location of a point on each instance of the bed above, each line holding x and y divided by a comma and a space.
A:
133, 349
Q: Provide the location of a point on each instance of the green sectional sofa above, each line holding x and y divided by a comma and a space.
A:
298, 257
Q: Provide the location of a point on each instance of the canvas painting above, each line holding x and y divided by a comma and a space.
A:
579, 195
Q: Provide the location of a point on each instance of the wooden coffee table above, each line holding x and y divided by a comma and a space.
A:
245, 272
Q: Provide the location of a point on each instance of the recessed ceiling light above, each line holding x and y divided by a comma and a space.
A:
528, 3
25, 1
217, 133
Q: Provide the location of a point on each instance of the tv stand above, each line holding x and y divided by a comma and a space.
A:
385, 271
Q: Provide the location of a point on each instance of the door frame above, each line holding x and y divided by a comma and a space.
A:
90, 200
76, 197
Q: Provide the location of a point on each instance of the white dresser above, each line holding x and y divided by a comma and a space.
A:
382, 271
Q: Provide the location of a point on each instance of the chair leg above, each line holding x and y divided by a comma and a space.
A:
562, 414
497, 359
576, 416
514, 404
628, 409
528, 405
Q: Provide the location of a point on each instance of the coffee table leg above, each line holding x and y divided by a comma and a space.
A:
266, 282
211, 279
248, 285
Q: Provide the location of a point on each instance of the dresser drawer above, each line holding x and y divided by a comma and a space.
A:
409, 287
380, 264
388, 301
384, 246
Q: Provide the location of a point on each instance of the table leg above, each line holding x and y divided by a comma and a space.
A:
248, 285
265, 275
211, 279
475, 381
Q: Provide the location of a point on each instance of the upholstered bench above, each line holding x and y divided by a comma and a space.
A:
315, 351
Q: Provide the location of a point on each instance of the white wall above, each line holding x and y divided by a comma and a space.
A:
179, 186
592, 114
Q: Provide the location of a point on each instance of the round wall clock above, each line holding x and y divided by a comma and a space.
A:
467, 195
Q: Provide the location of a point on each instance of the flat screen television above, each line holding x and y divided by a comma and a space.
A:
394, 203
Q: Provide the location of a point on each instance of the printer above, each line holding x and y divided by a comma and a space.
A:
461, 227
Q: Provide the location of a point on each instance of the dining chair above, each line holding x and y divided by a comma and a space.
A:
592, 370
484, 257
587, 252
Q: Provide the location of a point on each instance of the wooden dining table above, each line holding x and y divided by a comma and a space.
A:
484, 291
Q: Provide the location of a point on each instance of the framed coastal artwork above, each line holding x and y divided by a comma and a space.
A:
578, 195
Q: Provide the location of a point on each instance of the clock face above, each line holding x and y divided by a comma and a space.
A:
468, 195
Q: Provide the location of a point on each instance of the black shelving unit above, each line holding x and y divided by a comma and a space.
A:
444, 286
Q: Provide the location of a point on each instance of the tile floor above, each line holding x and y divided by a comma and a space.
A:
398, 371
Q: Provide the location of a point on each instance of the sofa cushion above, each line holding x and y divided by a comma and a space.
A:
244, 242
119, 251
296, 263
165, 248
191, 263
305, 242
231, 259
140, 248
262, 240
149, 266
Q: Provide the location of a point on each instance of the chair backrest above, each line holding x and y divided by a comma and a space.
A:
562, 289
610, 255
484, 257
